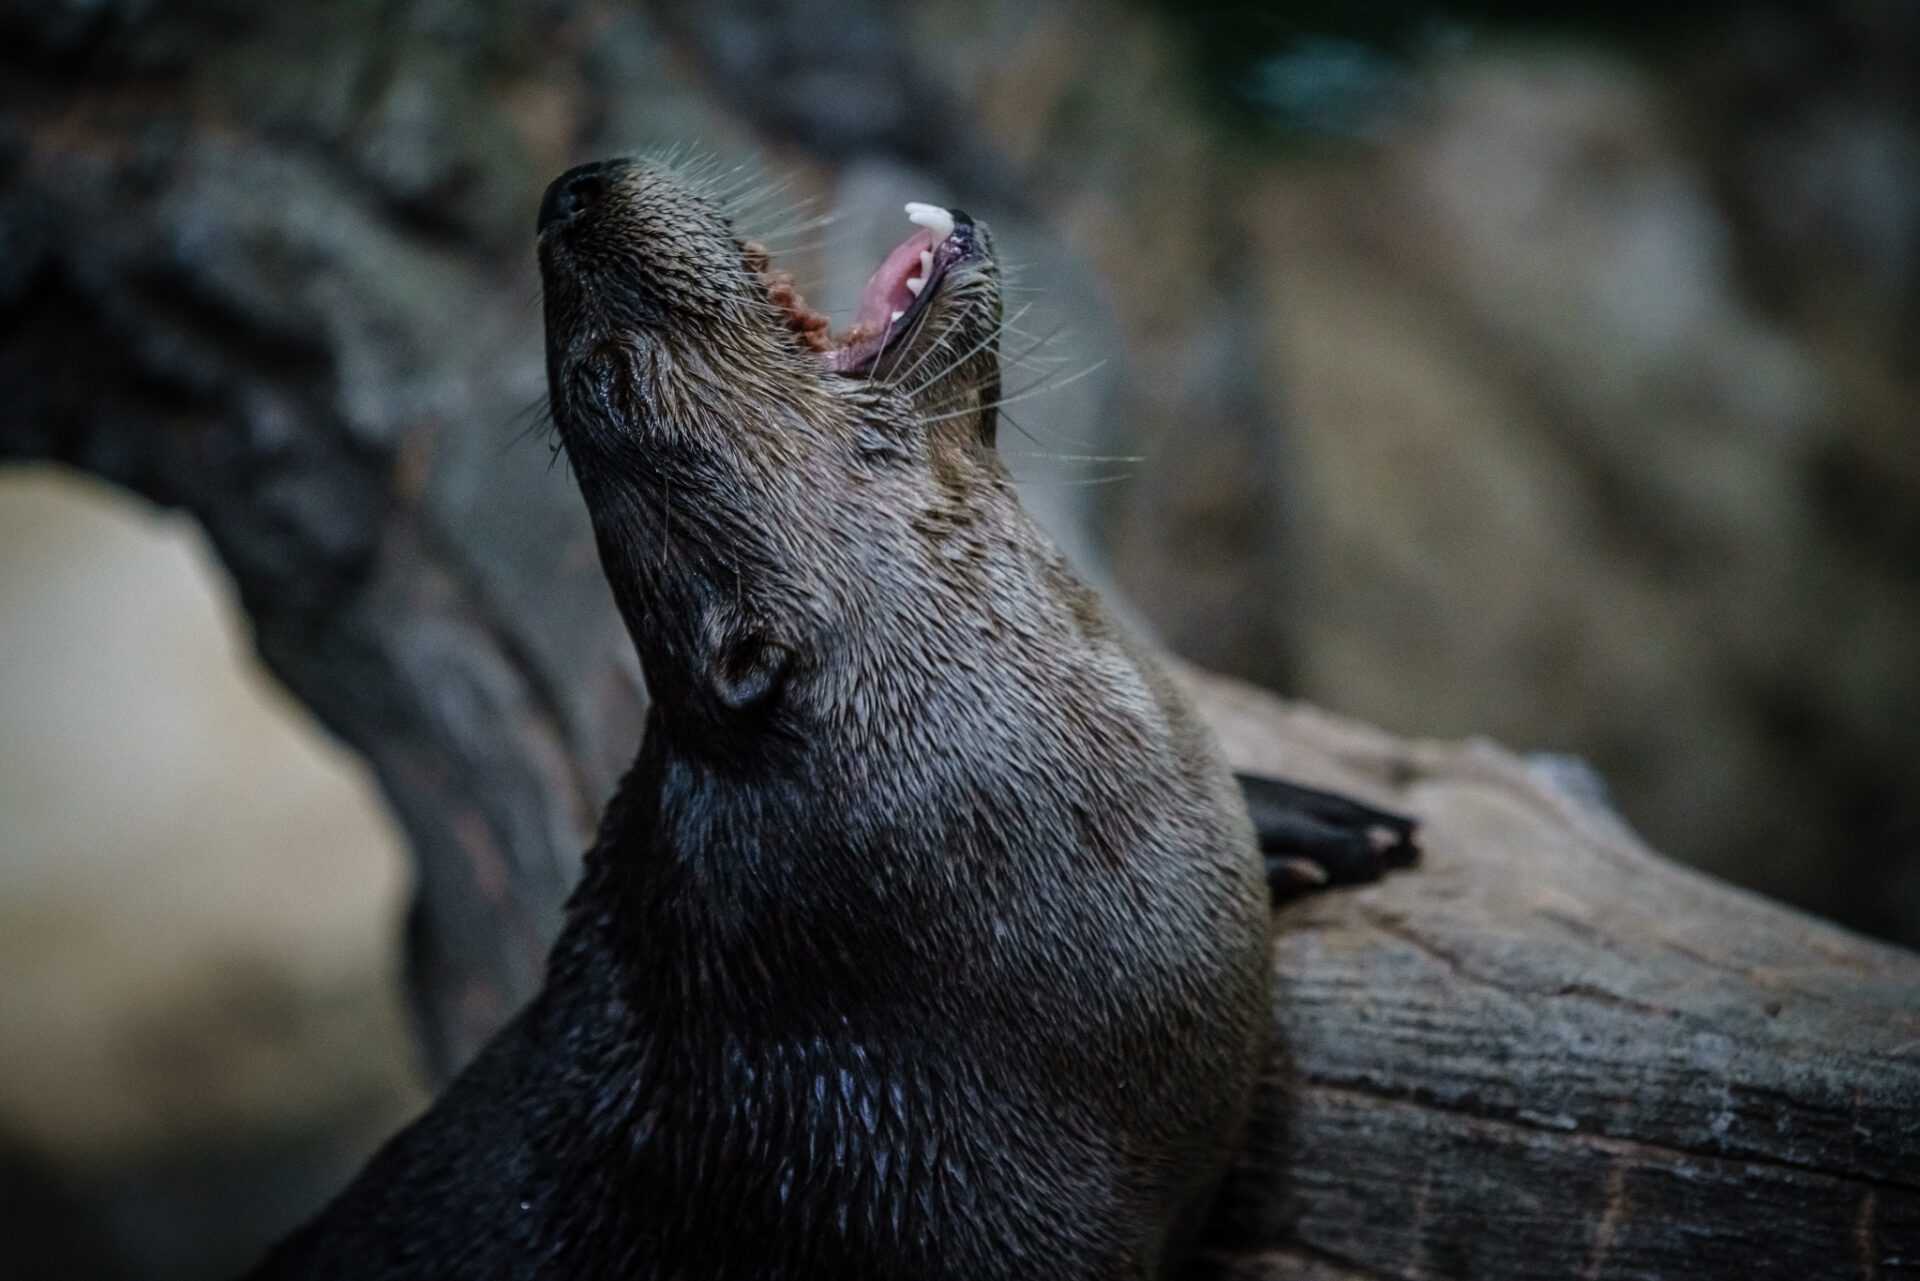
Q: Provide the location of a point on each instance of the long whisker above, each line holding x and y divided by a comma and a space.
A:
1109, 479
813, 223
1026, 394
1034, 343
1022, 429
535, 417
787, 251
1125, 471
1004, 327
993, 335
1035, 388
904, 343
1077, 458
793, 236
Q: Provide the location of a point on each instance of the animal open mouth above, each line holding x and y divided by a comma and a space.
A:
896, 296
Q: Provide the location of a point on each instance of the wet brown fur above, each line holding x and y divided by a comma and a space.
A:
927, 937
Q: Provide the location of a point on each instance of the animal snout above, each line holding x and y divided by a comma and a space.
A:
572, 192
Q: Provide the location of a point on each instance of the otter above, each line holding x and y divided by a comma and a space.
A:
927, 936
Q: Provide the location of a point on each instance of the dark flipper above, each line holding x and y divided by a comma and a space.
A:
1313, 839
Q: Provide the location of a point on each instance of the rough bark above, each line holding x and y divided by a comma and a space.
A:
1549, 1052
272, 269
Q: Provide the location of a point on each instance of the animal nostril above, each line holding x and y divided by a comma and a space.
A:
572, 192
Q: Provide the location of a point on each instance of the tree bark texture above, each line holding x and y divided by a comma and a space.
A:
270, 265
1548, 1052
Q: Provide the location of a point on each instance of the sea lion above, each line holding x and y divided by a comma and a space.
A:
927, 936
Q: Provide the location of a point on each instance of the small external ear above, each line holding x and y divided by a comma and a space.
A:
748, 671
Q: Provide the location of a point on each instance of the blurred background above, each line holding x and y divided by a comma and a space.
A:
1547, 372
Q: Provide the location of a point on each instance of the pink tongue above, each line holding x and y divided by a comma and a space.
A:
886, 290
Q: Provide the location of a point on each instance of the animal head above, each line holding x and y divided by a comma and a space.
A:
797, 523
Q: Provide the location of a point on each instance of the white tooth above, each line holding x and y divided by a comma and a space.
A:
926, 263
915, 285
896, 316
933, 218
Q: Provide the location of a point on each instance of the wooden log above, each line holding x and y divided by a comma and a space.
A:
1549, 1052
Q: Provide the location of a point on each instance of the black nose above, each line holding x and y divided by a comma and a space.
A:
571, 192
